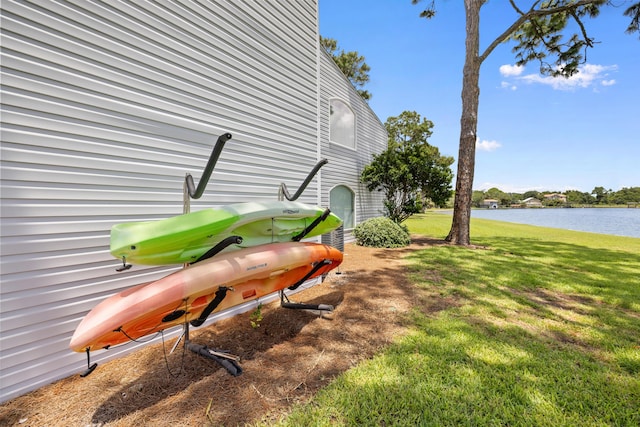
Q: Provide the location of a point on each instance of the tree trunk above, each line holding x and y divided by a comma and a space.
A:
459, 233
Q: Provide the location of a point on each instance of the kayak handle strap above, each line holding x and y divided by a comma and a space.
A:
194, 192
313, 271
220, 294
311, 226
283, 187
231, 240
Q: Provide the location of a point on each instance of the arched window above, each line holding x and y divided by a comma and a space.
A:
341, 201
342, 129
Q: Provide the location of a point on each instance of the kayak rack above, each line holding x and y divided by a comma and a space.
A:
319, 308
190, 191
315, 308
283, 192
196, 193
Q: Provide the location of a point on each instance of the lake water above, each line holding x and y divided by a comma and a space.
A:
616, 221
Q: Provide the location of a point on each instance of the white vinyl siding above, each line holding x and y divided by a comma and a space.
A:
345, 165
105, 107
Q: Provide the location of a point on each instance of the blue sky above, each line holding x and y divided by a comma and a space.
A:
534, 133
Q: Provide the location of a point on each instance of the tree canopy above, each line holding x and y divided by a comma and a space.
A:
598, 196
351, 64
634, 13
538, 35
410, 169
620, 197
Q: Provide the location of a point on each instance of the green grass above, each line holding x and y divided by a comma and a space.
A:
539, 328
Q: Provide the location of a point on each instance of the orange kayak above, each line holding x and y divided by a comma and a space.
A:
195, 292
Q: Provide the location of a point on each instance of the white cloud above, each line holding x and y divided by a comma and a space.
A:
588, 75
511, 70
487, 145
507, 85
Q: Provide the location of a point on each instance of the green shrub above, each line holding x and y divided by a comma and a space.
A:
381, 232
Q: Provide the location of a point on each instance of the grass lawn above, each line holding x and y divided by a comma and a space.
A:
541, 327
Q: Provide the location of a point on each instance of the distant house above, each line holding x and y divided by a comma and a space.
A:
490, 203
531, 202
556, 196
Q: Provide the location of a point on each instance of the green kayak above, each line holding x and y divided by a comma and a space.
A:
187, 238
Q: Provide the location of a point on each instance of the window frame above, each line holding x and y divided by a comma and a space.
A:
353, 115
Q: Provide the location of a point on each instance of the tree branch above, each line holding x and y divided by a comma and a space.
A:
586, 38
524, 17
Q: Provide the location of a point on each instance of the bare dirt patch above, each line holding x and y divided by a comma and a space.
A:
285, 361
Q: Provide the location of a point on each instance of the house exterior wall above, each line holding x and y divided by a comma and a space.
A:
556, 197
490, 203
105, 108
345, 164
532, 202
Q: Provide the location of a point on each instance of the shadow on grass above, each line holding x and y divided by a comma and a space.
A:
571, 283
528, 333
469, 372
535, 333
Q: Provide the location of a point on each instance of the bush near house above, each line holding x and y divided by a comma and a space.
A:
381, 232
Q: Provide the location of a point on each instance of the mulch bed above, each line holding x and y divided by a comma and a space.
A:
286, 360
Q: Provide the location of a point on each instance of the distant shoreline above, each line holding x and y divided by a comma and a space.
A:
616, 221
